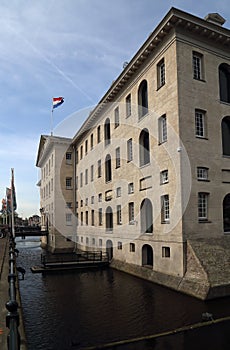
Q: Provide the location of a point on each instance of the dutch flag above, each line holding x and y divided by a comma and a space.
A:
57, 101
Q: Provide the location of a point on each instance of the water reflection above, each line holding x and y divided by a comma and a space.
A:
72, 310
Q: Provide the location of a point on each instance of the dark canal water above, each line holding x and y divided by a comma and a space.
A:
73, 310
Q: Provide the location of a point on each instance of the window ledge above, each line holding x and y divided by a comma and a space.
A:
165, 222
202, 80
159, 87
201, 137
225, 156
225, 103
145, 165
203, 180
204, 221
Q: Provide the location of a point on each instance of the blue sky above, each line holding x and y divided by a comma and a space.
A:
71, 48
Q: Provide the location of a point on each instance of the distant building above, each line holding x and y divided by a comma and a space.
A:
151, 166
34, 220
56, 192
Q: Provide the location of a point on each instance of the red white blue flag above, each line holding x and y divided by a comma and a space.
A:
57, 101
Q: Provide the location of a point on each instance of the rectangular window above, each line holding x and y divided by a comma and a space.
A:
164, 177
100, 242
68, 157
99, 168
92, 199
165, 252
81, 152
129, 150
165, 209
100, 217
91, 141
161, 73
118, 191
92, 218
100, 197
197, 60
81, 179
200, 124
68, 218
131, 213
77, 157
119, 222
202, 173
87, 218
81, 202
81, 218
203, 206
132, 247
98, 134
116, 117
86, 146
162, 125
91, 172
128, 106
86, 201
119, 245
68, 182
86, 176
118, 157
130, 188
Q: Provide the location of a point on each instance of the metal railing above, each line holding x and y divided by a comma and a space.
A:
12, 317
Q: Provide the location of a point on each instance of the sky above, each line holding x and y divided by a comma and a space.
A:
71, 48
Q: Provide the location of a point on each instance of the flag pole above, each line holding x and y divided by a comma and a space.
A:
12, 204
51, 120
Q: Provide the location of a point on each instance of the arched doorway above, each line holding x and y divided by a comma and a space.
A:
147, 256
109, 219
226, 213
109, 249
146, 216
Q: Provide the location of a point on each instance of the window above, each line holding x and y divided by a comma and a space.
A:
81, 179
77, 157
68, 157
81, 202
87, 218
118, 157
119, 245
128, 106
81, 239
99, 134
99, 168
109, 219
224, 82
162, 124
87, 240
100, 242
118, 191
129, 150
68, 182
92, 218
203, 206
164, 177
165, 252
81, 218
108, 168
91, 141
143, 99
146, 211
86, 146
81, 152
132, 247
200, 123
93, 241
100, 217
131, 213
130, 188
86, 201
107, 134
116, 117
144, 147
161, 73
68, 204
91, 172
119, 222
86, 176
202, 173
225, 128
100, 197
197, 60
226, 213
165, 209
92, 199
108, 195
68, 218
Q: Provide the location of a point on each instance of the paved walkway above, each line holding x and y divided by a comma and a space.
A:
4, 297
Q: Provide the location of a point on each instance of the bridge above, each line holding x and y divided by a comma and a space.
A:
28, 231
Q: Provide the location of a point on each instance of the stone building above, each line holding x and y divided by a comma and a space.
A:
54, 158
151, 178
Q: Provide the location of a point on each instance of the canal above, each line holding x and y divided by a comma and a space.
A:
75, 310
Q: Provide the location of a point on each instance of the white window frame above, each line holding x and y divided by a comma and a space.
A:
129, 150
203, 206
202, 173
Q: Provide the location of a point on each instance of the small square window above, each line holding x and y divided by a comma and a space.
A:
164, 177
132, 247
130, 188
202, 173
165, 252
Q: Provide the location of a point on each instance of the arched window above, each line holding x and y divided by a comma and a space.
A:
146, 216
225, 128
108, 168
224, 82
143, 99
107, 134
147, 256
109, 219
144, 147
226, 213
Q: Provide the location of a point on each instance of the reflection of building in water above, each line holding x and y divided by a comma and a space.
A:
56, 192
152, 160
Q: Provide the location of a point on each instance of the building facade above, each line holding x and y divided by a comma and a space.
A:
54, 158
